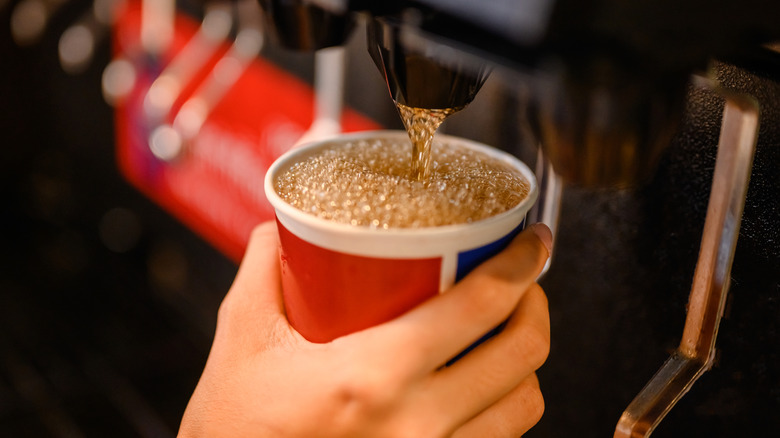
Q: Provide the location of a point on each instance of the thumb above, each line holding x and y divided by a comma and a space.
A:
254, 302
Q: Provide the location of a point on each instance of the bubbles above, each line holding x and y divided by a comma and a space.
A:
369, 183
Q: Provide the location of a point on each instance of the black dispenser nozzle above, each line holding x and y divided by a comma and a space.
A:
417, 79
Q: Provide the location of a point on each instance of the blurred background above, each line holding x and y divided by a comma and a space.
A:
106, 302
112, 270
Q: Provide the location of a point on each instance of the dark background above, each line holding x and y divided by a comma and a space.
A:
94, 342
107, 304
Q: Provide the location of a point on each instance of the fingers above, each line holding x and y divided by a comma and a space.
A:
511, 416
495, 368
440, 328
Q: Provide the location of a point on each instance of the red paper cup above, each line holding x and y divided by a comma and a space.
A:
338, 279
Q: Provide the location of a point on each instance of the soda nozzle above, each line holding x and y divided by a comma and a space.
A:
417, 79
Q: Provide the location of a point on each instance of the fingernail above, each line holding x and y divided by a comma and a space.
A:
544, 234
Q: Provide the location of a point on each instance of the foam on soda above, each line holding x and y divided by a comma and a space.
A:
370, 183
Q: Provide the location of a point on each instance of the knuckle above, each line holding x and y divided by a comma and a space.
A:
376, 401
492, 294
537, 290
535, 406
366, 393
226, 323
535, 339
531, 347
535, 344
530, 337
226, 310
232, 317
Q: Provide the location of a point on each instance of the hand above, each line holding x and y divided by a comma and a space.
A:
262, 379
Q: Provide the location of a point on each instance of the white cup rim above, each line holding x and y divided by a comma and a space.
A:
284, 209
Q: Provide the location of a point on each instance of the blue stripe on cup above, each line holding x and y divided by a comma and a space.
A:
467, 261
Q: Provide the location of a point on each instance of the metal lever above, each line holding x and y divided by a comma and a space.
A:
169, 141
547, 208
695, 355
329, 65
185, 65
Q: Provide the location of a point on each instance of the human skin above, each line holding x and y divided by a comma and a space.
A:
263, 379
